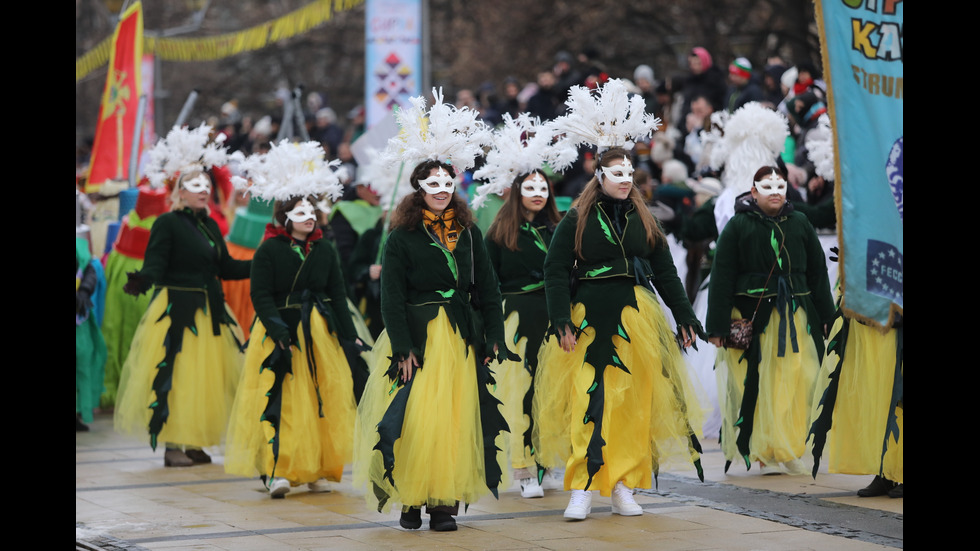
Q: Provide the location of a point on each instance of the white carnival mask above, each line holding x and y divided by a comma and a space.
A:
198, 184
302, 212
440, 182
535, 187
619, 173
773, 185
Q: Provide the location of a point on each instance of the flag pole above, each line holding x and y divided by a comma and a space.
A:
134, 148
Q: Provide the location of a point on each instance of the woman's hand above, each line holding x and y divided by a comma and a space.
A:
687, 336
488, 358
717, 341
568, 339
374, 271
408, 366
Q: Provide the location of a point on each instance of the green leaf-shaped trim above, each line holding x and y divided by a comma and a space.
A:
605, 227
598, 271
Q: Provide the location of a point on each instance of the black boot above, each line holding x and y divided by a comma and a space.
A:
441, 522
878, 487
897, 491
411, 519
79, 425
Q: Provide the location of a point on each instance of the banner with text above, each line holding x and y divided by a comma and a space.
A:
864, 69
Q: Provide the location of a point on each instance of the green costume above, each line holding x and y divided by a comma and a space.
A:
521, 275
296, 379
751, 245
435, 433
616, 277
185, 260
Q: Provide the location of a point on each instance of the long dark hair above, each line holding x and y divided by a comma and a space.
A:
408, 213
504, 229
590, 194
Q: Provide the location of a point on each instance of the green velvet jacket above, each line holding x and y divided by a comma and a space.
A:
743, 258
286, 278
187, 252
611, 258
419, 275
522, 271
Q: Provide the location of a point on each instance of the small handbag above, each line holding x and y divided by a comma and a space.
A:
740, 332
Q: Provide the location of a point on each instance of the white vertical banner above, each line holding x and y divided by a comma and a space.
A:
393, 55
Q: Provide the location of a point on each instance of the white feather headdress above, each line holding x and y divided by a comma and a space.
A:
290, 170
608, 117
754, 136
444, 133
384, 180
820, 148
183, 150
520, 146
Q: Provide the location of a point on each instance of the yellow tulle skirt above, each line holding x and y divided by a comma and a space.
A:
786, 385
205, 376
649, 413
864, 394
310, 447
513, 382
439, 458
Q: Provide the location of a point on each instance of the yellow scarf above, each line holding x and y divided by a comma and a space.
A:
443, 226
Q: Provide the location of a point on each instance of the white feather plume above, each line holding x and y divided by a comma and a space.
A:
384, 180
607, 117
820, 148
290, 170
183, 150
519, 147
445, 133
754, 136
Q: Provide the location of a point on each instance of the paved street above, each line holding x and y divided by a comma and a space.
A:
125, 499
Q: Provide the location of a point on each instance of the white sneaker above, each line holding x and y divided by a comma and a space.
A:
623, 502
322, 485
279, 487
554, 479
579, 506
795, 467
769, 469
531, 488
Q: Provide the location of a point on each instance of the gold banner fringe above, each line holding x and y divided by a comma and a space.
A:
211, 48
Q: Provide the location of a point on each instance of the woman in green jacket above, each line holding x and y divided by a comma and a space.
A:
429, 432
293, 419
769, 267
517, 242
179, 379
612, 394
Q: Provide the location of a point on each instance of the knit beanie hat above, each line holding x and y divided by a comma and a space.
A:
741, 67
703, 55
643, 72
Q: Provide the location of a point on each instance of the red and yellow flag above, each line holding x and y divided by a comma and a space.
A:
120, 101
